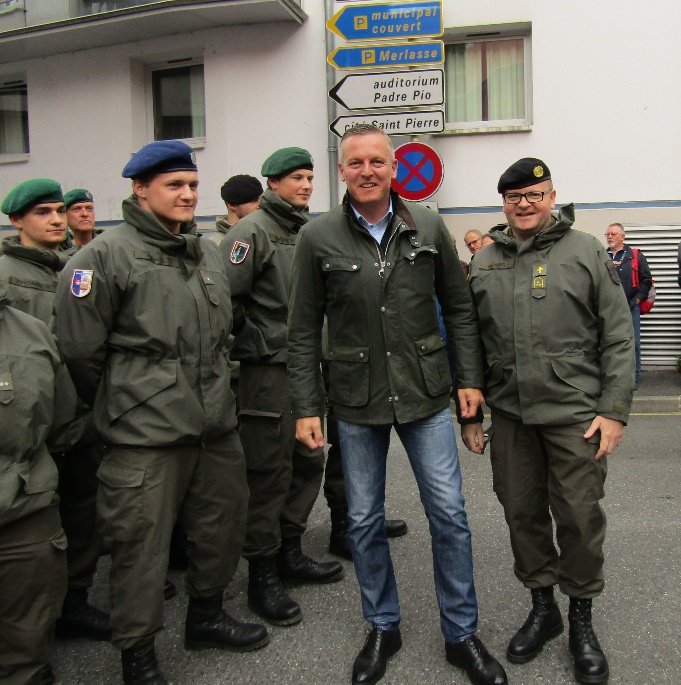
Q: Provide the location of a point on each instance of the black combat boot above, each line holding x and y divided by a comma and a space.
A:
543, 624
80, 619
209, 625
339, 540
140, 666
591, 666
295, 568
266, 594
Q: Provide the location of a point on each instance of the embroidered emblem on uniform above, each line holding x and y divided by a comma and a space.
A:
538, 171
239, 252
539, 282
81, 282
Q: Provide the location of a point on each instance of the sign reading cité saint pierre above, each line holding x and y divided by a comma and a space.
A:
377, 90
388, 20
422, 53
395, 123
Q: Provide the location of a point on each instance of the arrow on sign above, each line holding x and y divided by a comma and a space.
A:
390, 89
388, 20
423, 53
396, 123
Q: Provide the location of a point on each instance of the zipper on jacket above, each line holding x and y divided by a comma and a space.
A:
382, 261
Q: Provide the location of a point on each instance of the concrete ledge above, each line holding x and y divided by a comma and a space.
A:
654, 404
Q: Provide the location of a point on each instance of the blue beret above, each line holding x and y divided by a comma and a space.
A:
285, 160
160, 157
30, 193
77, 195
527, 171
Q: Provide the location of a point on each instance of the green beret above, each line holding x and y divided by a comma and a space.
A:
77, 195
30, 193
526, 172
284, 161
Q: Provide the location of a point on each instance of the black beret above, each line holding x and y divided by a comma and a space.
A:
527, 171
30, 193
161, 157
240, 189
77, 195
285, 160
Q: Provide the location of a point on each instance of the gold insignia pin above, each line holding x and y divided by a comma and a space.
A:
538, 171
538, 282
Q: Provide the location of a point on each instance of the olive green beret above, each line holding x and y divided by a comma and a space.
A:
287, 159
527, 171
30, 193
77, 195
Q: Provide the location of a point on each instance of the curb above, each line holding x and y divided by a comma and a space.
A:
656, 404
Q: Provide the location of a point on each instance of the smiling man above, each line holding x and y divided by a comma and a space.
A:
284, 476
154, 301
374, 267
559, 342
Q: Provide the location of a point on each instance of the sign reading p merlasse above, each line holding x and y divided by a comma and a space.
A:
422, 53
395, 123
388, 20
376, 90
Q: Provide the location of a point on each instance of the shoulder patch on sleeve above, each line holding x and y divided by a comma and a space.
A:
612, 271
239, 252
81, 282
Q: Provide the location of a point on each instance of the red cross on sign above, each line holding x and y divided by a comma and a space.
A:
419, 171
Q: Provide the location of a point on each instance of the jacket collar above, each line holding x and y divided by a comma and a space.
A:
282, 212
399, 210
562, 223
52, 259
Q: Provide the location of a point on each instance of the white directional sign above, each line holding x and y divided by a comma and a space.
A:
395, 124
390, 89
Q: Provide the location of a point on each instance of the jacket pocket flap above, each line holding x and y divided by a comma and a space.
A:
254, 414
341, 264
42, 476
340, 353
430, 344
119, 476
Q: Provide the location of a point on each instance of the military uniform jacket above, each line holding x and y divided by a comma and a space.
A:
143, 317
258, 252
555, 326
37, 402
30, 274
386, 355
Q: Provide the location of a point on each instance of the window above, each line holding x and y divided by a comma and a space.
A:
13, 116
179, 109
487, 82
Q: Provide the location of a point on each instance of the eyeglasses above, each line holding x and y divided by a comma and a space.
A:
533, 197
612, 235
473, 242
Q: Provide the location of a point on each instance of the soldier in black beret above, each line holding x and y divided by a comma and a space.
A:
241, 195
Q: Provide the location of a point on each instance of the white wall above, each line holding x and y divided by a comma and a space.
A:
606, 106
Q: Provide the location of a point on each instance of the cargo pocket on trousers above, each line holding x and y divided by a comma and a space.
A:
120, 501
260, 434
57, 571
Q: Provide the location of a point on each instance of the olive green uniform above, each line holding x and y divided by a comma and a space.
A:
559, 343
37, 403
31, 276
283, 475
153, 366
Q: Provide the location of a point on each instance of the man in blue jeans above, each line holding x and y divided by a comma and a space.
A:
374, 266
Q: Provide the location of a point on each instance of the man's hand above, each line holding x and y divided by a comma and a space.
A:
309, 432
611, 434
473, 437
469, 401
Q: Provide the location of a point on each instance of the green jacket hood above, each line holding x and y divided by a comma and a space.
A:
562, 223
282, 212
52, 259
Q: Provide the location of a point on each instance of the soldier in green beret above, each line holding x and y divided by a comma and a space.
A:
283, 475
80, 216
559, 342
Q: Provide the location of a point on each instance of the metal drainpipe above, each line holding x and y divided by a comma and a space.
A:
332, 139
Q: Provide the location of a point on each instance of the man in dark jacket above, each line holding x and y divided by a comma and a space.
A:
374, 267
560, 372
155, 302
622, 257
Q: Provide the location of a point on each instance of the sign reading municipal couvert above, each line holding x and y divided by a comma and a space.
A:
395, 123
378, 90
421, 53
388, 20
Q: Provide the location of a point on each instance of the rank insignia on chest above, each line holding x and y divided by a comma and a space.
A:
239, 252
81, 282
539, 282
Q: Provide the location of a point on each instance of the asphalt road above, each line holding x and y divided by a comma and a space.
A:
637, 619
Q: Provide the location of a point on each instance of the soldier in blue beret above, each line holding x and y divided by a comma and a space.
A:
155, 302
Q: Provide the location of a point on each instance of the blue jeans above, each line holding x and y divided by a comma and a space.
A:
636, 320
431, 447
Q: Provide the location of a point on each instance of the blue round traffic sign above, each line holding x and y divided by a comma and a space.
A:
419, 171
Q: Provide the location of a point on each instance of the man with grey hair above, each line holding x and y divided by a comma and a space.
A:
374, 266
